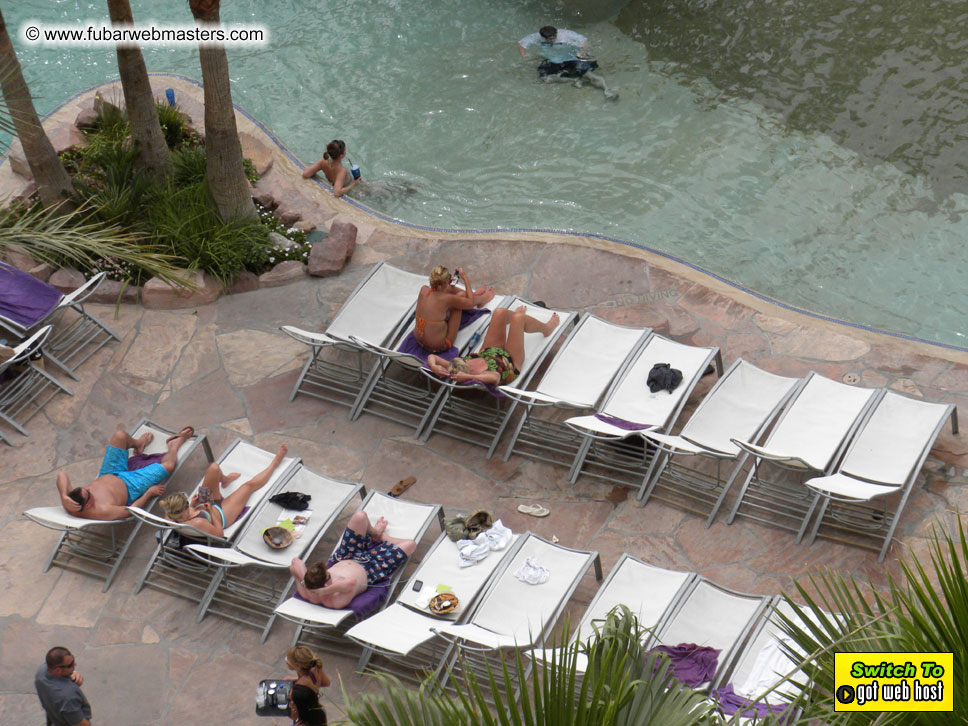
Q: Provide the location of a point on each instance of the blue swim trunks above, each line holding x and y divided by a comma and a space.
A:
137, 481
379, 559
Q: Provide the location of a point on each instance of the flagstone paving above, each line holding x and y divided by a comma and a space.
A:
227, 369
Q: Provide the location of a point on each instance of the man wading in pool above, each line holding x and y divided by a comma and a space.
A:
561, 49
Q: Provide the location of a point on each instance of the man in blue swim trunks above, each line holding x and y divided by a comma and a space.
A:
562, 50
116, 487
365, 556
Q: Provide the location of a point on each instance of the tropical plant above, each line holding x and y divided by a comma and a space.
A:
53, 183
926, 610
77, 238
622, 686
146, 131
226, 178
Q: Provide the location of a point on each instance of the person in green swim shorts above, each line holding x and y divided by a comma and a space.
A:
117, 487
501, 356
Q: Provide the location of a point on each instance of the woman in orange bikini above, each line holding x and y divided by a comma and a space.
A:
439, 305
502, 352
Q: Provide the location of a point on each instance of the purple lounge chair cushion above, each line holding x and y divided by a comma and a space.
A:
367, 602
692, 664
622, 423
24, 299
140, 461
729, 702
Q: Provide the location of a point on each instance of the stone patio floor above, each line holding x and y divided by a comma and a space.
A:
226, 369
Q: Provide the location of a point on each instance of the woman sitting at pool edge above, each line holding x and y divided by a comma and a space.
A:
439, 305
215, 516
502, 353
332, 167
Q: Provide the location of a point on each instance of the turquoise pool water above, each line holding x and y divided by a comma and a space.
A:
434, 97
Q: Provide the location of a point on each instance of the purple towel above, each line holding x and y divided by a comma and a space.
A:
729, 702
622, 423
410, 346
140, 461
692, 664
367, 602
23, 298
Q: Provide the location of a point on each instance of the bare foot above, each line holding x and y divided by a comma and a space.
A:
549, 326
142, 441
485, 297
521, 309
281, 453
229, 478
379, 528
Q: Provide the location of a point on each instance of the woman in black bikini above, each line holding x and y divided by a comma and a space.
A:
502, 353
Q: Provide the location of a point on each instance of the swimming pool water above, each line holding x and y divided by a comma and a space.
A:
433, 97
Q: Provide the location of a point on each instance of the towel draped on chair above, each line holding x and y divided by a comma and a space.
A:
410, 346
23, 298
692, 664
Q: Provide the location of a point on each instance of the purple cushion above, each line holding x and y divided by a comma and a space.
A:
410, 346
729, 702
140, 461
692, 664
23, 298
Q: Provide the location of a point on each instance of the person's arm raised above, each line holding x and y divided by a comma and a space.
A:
311, 171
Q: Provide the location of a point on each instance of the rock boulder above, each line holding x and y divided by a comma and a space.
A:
158, 295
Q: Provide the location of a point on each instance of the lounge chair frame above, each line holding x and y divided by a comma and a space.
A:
32, 389
467, 657
853, 521
673, 482
332, 637
328, 375
171, 567
547, 438
248, 598
785, 502
97, 548
620, 460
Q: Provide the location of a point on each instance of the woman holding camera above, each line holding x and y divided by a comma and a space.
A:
439, 305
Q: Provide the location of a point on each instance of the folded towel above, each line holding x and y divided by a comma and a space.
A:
532, 572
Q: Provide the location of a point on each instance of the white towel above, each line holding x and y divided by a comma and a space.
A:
532, 572
472, 551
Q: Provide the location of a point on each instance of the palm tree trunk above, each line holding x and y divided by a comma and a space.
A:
142, 113
223, 152
53, 183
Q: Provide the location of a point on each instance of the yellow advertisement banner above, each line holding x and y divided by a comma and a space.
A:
893, 681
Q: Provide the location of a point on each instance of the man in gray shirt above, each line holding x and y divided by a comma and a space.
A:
59, 690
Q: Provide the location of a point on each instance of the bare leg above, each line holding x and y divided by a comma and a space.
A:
121, 439
453, 324
215, 479
497, 332
235, 502
522, 323
599, 82
483, 295
170, 459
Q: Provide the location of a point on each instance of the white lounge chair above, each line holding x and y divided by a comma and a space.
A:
466, 412
589, 359
514, 615
404, 633
243, 598
651, 593
374, 313
808, 438
171, 568
25, 395
630, 401
98, 548
407, 520
744, 401
396, 390
884, 459
710, 615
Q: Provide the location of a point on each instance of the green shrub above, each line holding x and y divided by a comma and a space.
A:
188, 166
172, 124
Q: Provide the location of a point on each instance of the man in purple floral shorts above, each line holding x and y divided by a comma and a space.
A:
365, 556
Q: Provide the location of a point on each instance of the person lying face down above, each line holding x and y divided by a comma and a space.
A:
215, 516
365, 556
502, 353
116, 488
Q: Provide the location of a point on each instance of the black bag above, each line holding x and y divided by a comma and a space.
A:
291, 500
663, 377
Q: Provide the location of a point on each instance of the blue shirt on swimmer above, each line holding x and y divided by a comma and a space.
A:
565, 48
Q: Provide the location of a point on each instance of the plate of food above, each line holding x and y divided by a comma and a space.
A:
443, 604
277, 537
